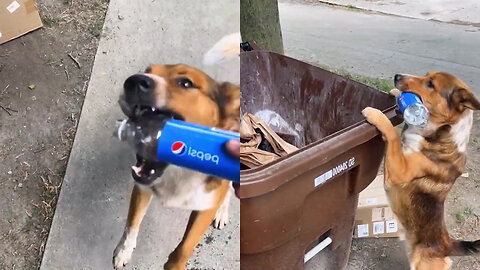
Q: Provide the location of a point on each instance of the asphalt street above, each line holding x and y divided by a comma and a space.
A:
377, 45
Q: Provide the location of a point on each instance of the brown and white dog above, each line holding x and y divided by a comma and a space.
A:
422, 165
188, 94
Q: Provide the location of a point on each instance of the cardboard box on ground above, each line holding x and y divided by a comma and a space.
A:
18, 17
374, 217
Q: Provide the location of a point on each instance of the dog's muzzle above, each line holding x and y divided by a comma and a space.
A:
138, 104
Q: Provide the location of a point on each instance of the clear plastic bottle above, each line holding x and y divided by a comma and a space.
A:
141, 136
412, 108
184, 144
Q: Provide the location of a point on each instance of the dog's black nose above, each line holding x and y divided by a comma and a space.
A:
140, 83
398, 77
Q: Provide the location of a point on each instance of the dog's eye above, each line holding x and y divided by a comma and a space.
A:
430, 84
185, 83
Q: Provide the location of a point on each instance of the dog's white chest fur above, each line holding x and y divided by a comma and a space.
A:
182, 188
460, 132
412, 139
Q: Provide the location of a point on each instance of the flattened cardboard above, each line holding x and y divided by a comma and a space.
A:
376, 221
374, 194
18, 17
250, 155
374, 217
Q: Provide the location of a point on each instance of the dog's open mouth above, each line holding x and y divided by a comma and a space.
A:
141, 168
138, 111
145, 172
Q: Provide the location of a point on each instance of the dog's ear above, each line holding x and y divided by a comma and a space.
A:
227, 97
462, 98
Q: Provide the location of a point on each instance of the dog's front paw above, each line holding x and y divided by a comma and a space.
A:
122, 256
123, 252
173, 266
395, 92
372, 115
381, 122
221, 217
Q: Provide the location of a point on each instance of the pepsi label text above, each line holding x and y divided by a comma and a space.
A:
180, 148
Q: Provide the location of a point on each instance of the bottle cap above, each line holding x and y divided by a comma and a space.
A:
119, 128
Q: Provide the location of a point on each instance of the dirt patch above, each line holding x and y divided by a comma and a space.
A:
462, 215
43, 79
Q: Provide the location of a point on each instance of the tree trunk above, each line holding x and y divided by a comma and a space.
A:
259, 22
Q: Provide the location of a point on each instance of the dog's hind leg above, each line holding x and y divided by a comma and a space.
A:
426, 263
139, 203
197, 225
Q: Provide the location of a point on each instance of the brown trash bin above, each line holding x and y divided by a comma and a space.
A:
290, 205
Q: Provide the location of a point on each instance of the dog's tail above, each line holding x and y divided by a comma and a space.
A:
226, 48
463, 248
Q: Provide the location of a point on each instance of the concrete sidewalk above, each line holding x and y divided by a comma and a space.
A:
377, 45
93, 202
461, 12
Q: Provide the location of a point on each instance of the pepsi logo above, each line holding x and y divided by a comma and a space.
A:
179, 148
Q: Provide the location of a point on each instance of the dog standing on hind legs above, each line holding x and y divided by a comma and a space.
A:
422, 165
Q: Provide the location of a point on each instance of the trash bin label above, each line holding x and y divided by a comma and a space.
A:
13, 6
392, 226
362, 230
334, 171
378, 227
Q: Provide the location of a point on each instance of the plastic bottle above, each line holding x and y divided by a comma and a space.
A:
412, 108
184, 144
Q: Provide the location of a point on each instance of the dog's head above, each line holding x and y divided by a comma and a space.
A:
181, 92
184, 93
446, 97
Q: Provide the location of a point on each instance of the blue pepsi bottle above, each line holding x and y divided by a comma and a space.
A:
183, 144
412, 108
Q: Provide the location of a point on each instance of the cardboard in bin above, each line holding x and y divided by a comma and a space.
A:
18, 17
374, 217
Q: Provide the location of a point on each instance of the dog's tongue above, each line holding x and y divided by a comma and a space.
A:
138, 170
142, 170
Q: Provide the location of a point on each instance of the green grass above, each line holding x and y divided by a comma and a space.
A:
377, 83
96, 29
49, 22
351, 7
380, 84
67, 2
48, 61
29, 225
463, 213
